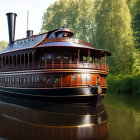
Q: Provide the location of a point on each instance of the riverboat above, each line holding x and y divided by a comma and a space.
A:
52, 66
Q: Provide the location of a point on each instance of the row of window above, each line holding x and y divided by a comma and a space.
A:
66, 57
16, 59
48, 57
39, 79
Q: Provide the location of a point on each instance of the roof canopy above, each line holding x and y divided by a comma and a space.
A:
25, 43
42, 40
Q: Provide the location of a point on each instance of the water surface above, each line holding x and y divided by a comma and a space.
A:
118, 118
124, 116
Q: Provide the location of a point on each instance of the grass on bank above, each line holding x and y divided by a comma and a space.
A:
129, 84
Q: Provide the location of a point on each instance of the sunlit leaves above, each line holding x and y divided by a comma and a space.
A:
77, 15
114, 34
3, 44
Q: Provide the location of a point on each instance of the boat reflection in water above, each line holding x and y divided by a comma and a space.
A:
34, 120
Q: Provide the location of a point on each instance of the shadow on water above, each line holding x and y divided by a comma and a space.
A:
22, 119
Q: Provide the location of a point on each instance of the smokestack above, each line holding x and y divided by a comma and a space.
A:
29, 33
11, 17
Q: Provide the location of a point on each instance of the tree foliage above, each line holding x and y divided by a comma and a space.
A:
114, 34
77, 15
3, 44
124, 84
134, 6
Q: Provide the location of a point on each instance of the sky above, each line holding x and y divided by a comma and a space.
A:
20, 7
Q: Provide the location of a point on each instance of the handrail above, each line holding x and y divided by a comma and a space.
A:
41, 85
37, 66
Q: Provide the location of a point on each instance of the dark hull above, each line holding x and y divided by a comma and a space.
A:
62, 95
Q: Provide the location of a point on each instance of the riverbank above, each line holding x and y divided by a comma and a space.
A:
124, 84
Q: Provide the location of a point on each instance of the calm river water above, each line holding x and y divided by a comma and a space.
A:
118, 118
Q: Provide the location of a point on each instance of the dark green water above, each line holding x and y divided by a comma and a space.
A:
118, 118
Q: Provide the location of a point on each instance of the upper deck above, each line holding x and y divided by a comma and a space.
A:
53, 50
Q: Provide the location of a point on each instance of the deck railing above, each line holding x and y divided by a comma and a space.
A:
41, 85
38, 66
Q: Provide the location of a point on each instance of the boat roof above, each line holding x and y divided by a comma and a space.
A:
44, 40
25, 43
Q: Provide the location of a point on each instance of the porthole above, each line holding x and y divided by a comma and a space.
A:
74, 77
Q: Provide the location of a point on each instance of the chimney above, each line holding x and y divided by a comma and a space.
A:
29, 33
11, 17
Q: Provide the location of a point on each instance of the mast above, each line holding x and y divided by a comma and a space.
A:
27, 19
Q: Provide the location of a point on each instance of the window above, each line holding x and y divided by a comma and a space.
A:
49, 79
28, 79
66, 56
91, 60
8, 80
85, 59
60, 34
43, 78
24, 80
98, 80
42, 58
74, 57
21, 80
57, 79
57, 57
74, 77
49, 56
13, 80
32, 79
17, 80
84, 77
88, 78
36, 79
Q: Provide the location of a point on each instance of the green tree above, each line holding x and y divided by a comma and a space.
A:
134, 6
3, 44
114, 34
78, 15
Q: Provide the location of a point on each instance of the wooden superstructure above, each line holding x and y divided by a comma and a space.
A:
53, 65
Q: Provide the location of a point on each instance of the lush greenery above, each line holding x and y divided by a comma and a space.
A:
3, 44
77, 15
114, 33
129, 84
